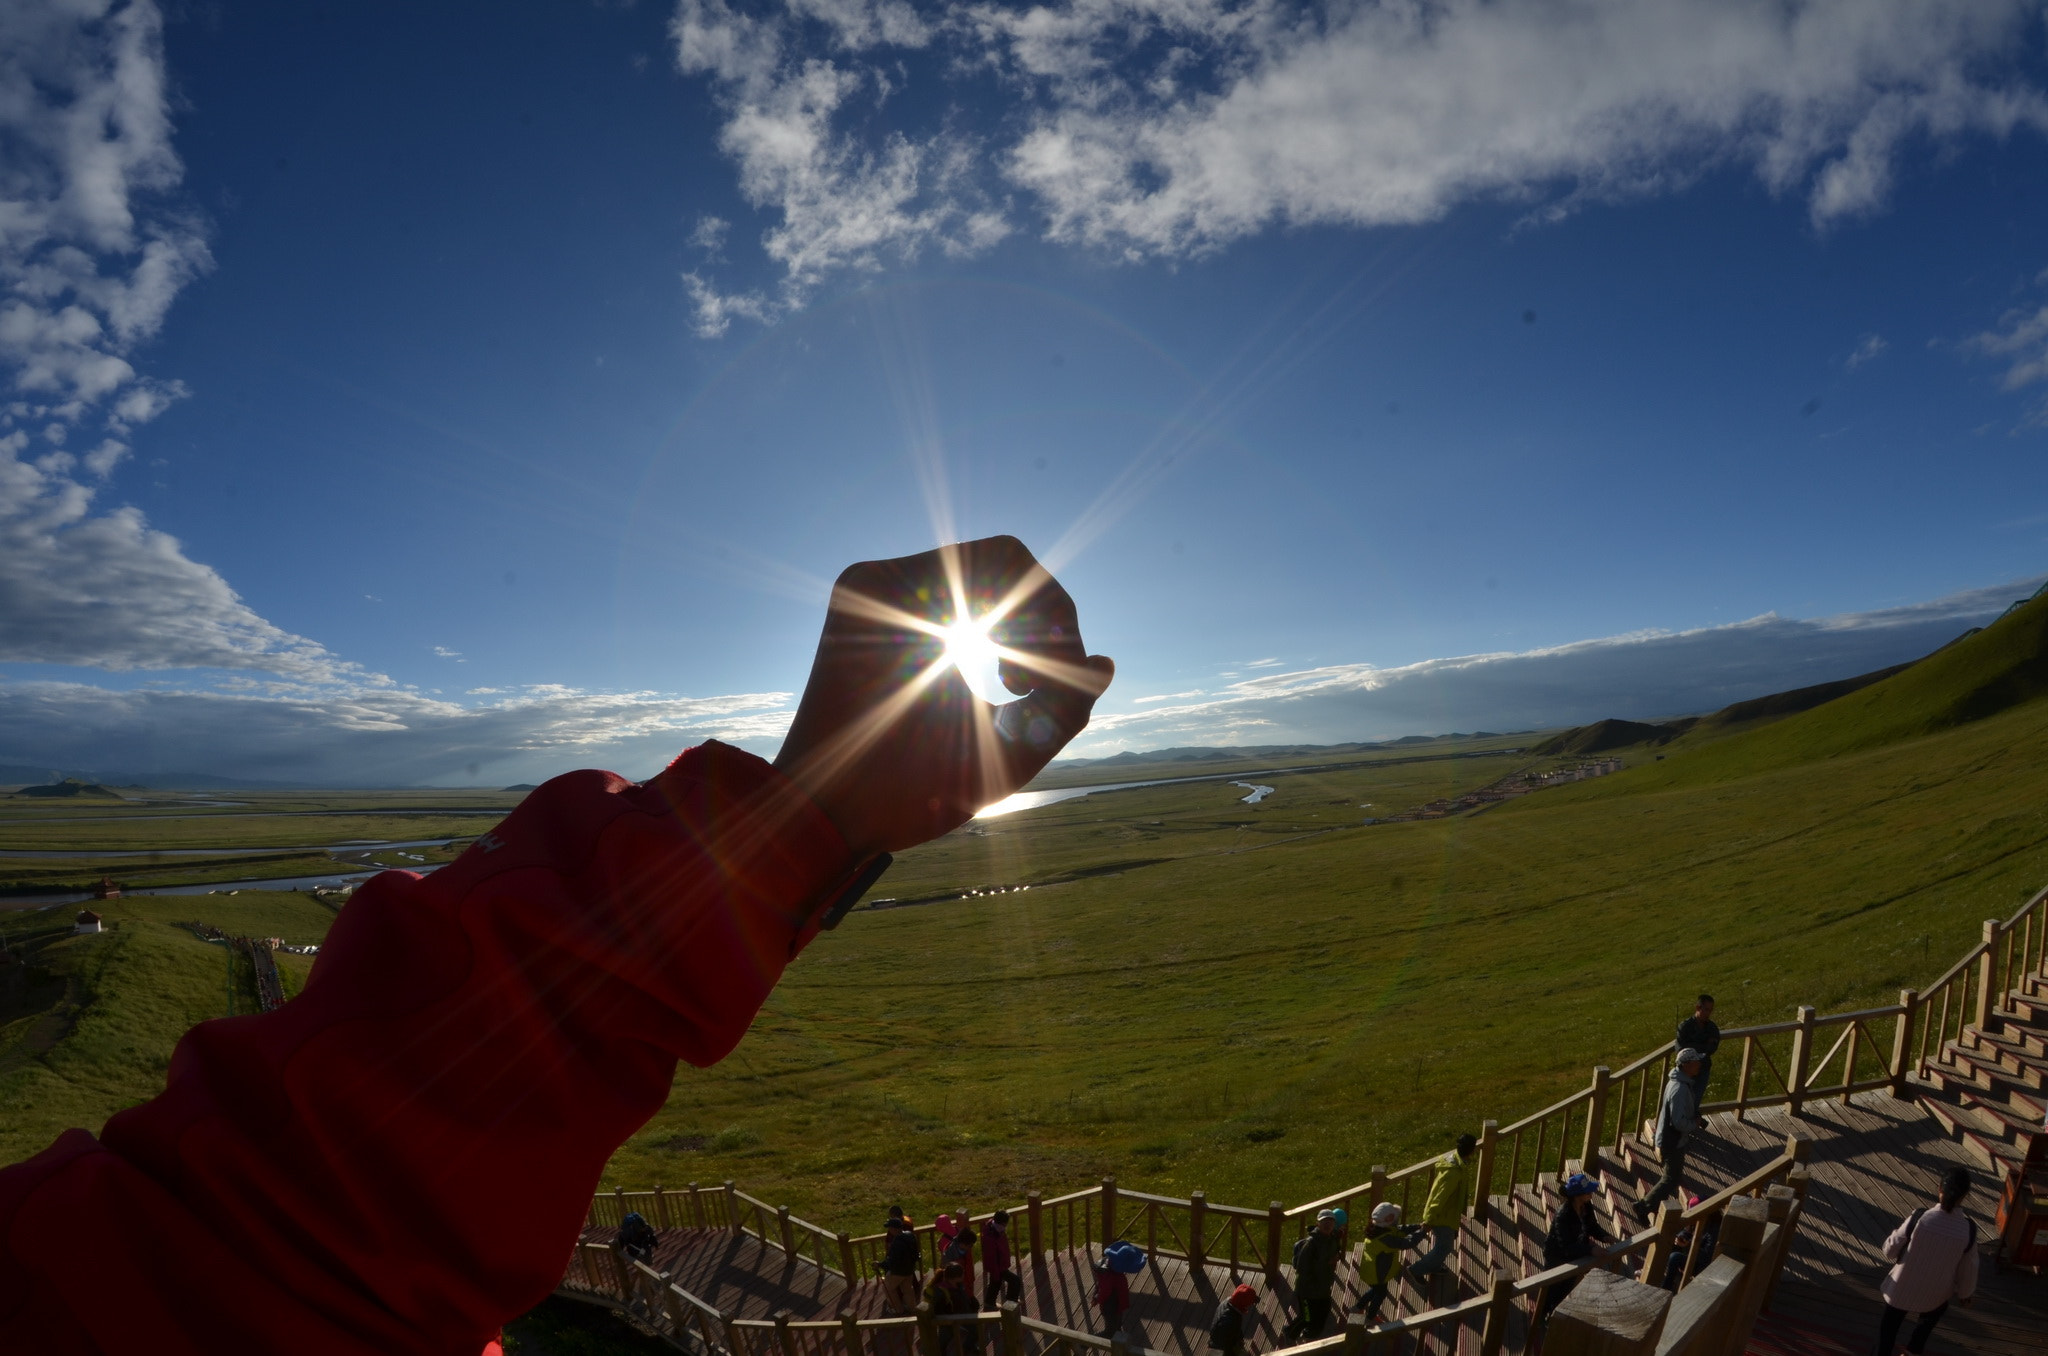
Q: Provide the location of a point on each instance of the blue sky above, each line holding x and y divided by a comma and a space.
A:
470, 392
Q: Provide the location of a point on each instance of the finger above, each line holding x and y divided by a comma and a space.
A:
1040, 725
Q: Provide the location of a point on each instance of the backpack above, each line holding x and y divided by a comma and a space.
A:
1300, 1246
635, 1232
1227, 1332
1913, 1222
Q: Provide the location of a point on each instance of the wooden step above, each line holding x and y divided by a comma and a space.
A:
1981, 1137
2018, 1128
2028, 1066
2031, 1009
1981, 1067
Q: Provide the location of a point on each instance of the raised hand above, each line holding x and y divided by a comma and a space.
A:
889, 740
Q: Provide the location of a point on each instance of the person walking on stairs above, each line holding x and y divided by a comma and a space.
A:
1315, 1276
948, 1294
1574, 1229
1231, 1327
958, 1232
1698, 1032
1379, 1256
1677, 1118
1450, 1191
1934, 1262
1002, 1281
899, 1267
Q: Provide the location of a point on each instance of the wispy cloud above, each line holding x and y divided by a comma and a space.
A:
2020, 339
1164, 130
1868, 347
442, 651
1642, 675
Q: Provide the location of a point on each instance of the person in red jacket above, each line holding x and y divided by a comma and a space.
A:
398, 1160
1003, 1282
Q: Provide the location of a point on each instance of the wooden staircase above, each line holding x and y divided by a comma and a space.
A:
1990, 1087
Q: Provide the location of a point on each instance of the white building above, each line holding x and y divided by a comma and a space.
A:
88, 921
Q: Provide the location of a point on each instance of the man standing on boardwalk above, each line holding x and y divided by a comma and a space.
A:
899, 1267
1934, 1260
1315, 1276
1677, 1118
1698, 1032
1450, 1190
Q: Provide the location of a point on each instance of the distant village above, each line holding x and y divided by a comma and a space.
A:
1507, 788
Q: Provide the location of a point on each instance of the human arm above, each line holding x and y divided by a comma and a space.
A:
398, 1159
1966, 1270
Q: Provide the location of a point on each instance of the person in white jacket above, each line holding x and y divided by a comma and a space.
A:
1934, 1261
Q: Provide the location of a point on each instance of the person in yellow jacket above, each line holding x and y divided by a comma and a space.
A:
1379, 1257
1450, 1191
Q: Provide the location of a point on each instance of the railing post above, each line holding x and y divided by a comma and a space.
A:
1034, 1211
661, 1205
1987, 978
1849, 1050
1660, 1249
1500, 1302
927, 1331
1376, 1190
1354, 1335
846, 1268
1276, 1220
621, 1272
1108, 1211
732, 1207
849, 1331
1802, 1051
1902, 1041
1489, 1134
785, 1340
678, 1313
696, 1208
619, 1206
1742, 1079
1596, 1118
1608, 1315
1013, 1329
1198, 1220
788, 1233
730, 1334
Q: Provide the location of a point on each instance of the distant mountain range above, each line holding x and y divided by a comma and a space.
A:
1200, 753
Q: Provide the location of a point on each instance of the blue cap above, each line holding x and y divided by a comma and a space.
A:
1578, 1184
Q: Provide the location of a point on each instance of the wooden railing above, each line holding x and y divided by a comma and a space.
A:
1776, 1067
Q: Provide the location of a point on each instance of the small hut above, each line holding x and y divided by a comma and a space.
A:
88, 921
106, 889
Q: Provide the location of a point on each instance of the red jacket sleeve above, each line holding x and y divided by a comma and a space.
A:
399, 1159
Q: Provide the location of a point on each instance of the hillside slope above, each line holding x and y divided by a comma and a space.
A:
1980, 675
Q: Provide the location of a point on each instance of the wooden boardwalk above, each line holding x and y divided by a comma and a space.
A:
1873, 1160
1976, 1085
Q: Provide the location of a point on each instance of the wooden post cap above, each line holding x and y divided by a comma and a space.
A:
1742, 1228
1608, 1315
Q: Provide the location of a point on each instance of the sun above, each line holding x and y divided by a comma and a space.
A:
970, 649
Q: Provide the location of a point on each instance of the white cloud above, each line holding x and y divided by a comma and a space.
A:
1640, 676
445, 653
2021, 339
1171, 127
388, 738
92, 250
1868, 347
108, 591
1167, 697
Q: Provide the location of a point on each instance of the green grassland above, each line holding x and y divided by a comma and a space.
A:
1263, 1001
87, 1027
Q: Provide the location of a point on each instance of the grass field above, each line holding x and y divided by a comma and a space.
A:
1263, 1001
88, 1029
